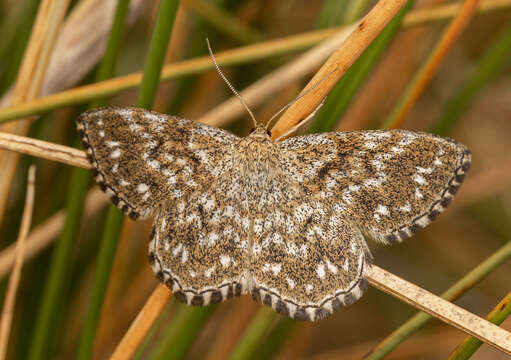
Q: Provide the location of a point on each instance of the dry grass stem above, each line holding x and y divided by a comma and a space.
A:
449, 10
142, 323
440, 308
44, 149
439, 341
45, 233
91, 22
230, 57
447, 40
14, 279
338, 63
29, 81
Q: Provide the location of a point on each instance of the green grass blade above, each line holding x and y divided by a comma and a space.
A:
331, 13
470, 345
106, 69
275, 338
226, 23
491, 63
253, 336
460, 287
156, 53
108, 242
102, 274
354, 10
152, 71
13, 47
341, 95
182, 332
58, 279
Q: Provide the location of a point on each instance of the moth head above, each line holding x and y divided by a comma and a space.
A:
260, 131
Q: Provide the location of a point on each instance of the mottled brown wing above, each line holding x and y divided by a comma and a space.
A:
141, 158
306, 260
199, 243
390, 183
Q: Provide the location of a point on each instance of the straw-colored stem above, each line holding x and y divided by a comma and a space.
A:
428, 69
14, 279
338, 63
44, 234
470, 345
44, 149
29, 80
236, 56
142, 323
440, 308
459, 288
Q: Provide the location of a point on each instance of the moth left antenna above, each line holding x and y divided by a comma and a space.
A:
243, 102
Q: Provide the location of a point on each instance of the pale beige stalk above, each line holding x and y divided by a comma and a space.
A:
29, 81
14, 279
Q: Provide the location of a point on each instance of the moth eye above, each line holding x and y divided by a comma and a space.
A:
268, 132
251, 130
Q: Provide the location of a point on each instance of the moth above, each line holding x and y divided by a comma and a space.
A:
283, 221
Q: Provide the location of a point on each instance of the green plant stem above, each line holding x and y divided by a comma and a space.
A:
275, 338
224, 22
331, 12
156, 53
470, 345
152, 72
182, 332
253, 335
58, 278
491, 63
102, 273
354, 10
108, 242
459, 288
343, 92
236, 56
106, 68
13, 47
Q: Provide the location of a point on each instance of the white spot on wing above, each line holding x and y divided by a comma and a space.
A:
275, 269
418, 194
290, 282
115, 154
142, 188
382, 209
331, 267
225, 260
321, 271
406, 208
309, 288
208, 272
419, 179
177, 249
184, 256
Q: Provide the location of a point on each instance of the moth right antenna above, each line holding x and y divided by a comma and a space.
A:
243, 102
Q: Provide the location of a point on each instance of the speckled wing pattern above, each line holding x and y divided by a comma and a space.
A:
306, 259
141, 158
283, 222
199, 243
390, 183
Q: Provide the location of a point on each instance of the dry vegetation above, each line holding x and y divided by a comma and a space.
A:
440, 66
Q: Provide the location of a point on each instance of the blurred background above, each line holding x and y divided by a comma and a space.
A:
468, 98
